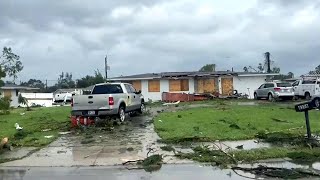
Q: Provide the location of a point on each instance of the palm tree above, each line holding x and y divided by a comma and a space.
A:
24, 101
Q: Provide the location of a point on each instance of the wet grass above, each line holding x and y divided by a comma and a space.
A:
34, 122
207, 155
228, 121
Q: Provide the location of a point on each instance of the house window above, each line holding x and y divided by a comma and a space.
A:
154, 85
179, 85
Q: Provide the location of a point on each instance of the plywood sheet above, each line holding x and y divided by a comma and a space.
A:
136, 85
184, 86
154, 85
7, 93
227, 86
174, 85
205, 85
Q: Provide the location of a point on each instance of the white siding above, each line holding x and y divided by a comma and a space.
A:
43, 99
243, 83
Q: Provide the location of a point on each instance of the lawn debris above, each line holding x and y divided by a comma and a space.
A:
274, 172
16, 125
279, 120
175, 103
64, 133
168, 148
46, 130
48, 137
239, 147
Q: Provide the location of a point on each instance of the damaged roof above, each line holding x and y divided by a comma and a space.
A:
188, 74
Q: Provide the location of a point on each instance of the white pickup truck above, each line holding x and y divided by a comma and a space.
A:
108, 100
306, 88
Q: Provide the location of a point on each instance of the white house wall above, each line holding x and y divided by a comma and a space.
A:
247, 84
164, 87
43, 99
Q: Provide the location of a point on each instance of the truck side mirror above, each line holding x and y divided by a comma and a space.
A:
138, 92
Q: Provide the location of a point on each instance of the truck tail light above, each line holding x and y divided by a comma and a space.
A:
277, 89
111, 101
71, 102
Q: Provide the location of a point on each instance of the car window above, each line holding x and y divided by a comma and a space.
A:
269, 85
284, 85
107, 89
132, 89
262, 86
308, 82
129, 90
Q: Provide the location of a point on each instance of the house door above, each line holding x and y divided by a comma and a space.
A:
227, 86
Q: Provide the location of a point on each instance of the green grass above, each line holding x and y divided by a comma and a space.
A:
229, 121
33, 122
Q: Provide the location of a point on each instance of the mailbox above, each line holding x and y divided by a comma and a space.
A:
305, 106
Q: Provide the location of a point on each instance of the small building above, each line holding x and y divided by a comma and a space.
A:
13, 91
153, 85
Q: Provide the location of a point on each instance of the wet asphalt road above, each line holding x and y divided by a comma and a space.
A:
176, 172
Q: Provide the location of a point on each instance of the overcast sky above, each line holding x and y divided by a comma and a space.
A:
158, 35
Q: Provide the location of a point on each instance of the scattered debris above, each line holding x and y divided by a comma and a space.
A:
18, 127
48, 137
175, 103
142, 125
160, 120
130, 149
239, 147
179, 116
45, 130
64, 133
167, 148
87, 141
274, 172
22, 114
59, 152
3, 142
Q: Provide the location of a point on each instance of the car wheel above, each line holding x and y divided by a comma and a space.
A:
256, 96
316, 102
122, 114
307, 96
270, 97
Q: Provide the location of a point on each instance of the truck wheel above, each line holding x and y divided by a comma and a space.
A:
307, 96
142, 108
316, 102
122, 114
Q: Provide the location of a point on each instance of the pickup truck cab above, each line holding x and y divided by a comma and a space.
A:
108, 100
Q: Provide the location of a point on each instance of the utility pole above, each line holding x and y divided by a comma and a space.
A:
267, 55
46, 84
106, 67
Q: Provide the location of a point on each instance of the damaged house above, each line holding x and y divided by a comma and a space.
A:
154, 86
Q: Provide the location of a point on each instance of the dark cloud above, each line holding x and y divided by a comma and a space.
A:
155, 36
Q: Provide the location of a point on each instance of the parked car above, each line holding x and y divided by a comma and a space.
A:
306, 88
274, 90
108, 100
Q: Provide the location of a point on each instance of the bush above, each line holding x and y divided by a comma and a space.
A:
4, 105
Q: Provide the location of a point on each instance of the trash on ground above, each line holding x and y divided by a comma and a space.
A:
18, 127
22, 114
3, 142
45, 130
160, 120
64, 133
175, 103
48, 137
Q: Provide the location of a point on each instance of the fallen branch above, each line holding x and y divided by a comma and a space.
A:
227, 154
241, 174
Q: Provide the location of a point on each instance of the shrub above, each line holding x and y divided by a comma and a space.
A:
4, 105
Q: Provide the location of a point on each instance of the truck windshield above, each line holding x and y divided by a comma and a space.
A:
284, 85
107, 89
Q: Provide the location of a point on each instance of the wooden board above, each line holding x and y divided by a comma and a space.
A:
7, 93
227, 86
178, 85
154, 85
205, 85
136, 85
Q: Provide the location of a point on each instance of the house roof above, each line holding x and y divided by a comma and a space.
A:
14, 86
187, 74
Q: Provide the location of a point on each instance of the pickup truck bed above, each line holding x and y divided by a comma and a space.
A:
108, 99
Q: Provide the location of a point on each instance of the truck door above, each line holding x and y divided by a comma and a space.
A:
136, 98
130, 98
296, 88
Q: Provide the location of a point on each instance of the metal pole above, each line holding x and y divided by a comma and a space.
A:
106, 67
306, 114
